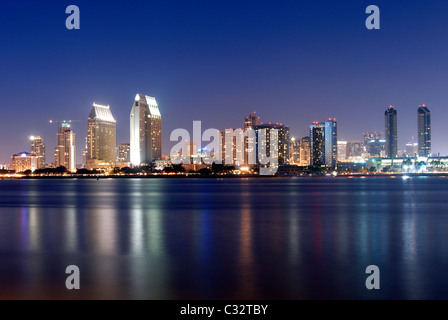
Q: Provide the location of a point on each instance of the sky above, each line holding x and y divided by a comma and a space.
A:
293, 62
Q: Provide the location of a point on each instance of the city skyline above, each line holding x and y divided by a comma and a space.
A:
302, 66
101, 142
219, 153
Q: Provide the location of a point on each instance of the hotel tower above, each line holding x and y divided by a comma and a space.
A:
146, 130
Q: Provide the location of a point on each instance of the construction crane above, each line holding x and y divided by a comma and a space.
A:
62, 122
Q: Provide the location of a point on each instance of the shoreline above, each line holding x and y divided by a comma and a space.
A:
190, 176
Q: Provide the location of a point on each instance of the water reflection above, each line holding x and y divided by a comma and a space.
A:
103, 230
242, 239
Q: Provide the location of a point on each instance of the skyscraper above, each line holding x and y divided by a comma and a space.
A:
331, 143
64, 152
294, 151
369, 136
373, 143
354, 149
282, 143
390, 120
123, 153
424, 131
101, 141
342, 150
251, 120
305, 153
411, 149
146, 130
37, 148
224, 145
84, 155
317, 141
249, 142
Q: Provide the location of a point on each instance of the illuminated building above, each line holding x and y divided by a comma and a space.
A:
124, 155
64, 152
305, 152
424, 131
191, 148
227, 144
317, 141
84, 155
282, 143
294, 151
146, 130
331, 146
101, 141
251, 120
23, 161
37, 148
5, 166
390, 121
324, 143
411, 149
236, 147
354, 149
374, 143
342, 150
369, 136
249, 142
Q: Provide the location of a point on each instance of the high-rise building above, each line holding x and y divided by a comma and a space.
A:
64, 152
331, 143
235, 155
369, 136
251, 120
146, 130
305, 152
411, 149
37, 148
294, 150
317, 141
282, 143
101, 141
374, 143
24, 161
324, 143
342, 150
84, 155
424, 131
249, 142
124, 154
354, 149
390, 120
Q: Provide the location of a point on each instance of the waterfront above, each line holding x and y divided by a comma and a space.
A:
208, 238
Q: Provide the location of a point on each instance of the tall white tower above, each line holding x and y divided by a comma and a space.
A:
146, 130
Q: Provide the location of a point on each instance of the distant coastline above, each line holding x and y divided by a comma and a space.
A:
231, 176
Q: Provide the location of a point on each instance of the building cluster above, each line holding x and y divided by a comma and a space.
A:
320, 149
385, 145
101, 150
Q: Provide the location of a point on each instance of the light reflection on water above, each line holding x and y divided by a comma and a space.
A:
276, 238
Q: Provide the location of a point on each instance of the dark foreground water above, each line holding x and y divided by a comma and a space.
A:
273, 238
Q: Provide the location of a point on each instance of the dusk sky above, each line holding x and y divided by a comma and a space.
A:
292, 61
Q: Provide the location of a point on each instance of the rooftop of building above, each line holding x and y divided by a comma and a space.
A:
101, 112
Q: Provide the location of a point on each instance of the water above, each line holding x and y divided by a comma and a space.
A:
204, 238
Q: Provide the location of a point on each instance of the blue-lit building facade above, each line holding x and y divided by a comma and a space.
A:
424, 131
